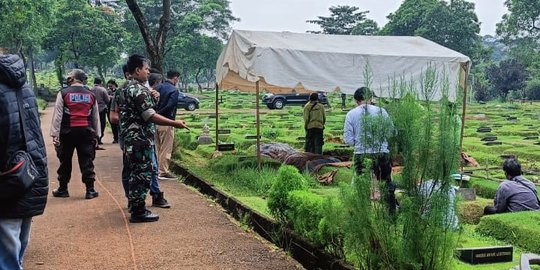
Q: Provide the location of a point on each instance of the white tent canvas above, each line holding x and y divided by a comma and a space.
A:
281, 61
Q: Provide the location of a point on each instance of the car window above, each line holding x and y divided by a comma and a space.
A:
181, 95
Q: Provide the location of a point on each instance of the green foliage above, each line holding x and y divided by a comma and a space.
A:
508, 75
304, 212
454, 25
520, 21
346, 20
519, 228
87, 36
485, 188
288, 179
42, 104
533, 89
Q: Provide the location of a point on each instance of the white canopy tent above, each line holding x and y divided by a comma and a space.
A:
282, 61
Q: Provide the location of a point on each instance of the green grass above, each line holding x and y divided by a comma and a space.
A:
469, 239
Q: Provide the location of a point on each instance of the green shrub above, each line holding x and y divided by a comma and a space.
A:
287, 180
42, 104
304, 213
520, 229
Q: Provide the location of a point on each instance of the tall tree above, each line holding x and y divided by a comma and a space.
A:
156, 22
346, 20
454, 25
508, 75
24, 24
522, 21
87, 36
520, 30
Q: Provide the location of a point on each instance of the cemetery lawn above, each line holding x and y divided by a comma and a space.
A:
515, 126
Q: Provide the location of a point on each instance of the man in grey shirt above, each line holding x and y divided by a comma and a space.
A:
102, 99
367, 128
514, 194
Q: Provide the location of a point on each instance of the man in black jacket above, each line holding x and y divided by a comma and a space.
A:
17, 210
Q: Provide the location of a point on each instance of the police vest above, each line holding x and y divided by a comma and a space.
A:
78, 104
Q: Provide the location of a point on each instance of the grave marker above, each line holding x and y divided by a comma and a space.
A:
531, 138
489, 139
224, 131
226, 147
486, 254
252, 137
492, 143
483, 129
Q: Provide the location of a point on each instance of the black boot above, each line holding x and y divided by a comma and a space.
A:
91, 193
61, 192
159, 201
141, 214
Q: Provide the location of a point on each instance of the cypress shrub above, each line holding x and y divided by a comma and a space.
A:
288, 179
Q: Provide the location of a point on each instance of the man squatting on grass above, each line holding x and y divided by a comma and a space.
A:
138, 132
514, 194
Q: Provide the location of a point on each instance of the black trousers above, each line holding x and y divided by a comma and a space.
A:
114, 128
314, 140
382, 168
102, 121
82, 139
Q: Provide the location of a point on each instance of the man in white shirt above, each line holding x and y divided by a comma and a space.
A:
367, 128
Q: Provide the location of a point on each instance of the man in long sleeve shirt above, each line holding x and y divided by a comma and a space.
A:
165, 134
102, 99
514, 194
367, 128
75, 125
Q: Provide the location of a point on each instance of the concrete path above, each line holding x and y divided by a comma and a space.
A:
195, 233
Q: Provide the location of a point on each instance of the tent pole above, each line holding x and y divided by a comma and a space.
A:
217, 117
465, 67
258, 125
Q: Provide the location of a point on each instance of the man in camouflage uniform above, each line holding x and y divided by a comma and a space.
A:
138, 132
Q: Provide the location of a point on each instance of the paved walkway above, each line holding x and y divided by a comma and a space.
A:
195, 233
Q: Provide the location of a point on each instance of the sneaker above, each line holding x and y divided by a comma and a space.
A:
91, 193
99, 148
145, 216
167, 176
159, 201
60, 193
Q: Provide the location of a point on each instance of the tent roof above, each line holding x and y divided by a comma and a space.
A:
283, 60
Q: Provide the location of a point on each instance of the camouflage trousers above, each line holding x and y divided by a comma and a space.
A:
140, 166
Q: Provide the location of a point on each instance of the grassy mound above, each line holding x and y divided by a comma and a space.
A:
520, 229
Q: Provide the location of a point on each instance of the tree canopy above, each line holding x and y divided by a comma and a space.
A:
346, 20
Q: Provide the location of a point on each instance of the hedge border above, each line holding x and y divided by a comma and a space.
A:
310, 256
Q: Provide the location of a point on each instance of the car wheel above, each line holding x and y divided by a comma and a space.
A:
270, 106
278, 104
191, 106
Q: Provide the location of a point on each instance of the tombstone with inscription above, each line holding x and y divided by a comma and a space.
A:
205, 138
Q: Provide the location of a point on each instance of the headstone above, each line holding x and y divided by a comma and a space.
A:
483, 129
531, 138
507, 156
537, 143
493, 143
468, 194
512, 118
301, 138
486, 254
224, 131
481, 102
222, 147
205, 136
489, 139
251, 137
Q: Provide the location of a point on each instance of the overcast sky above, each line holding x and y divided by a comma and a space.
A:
291, 15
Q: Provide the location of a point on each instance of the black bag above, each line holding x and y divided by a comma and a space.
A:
19, 177
20, 168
